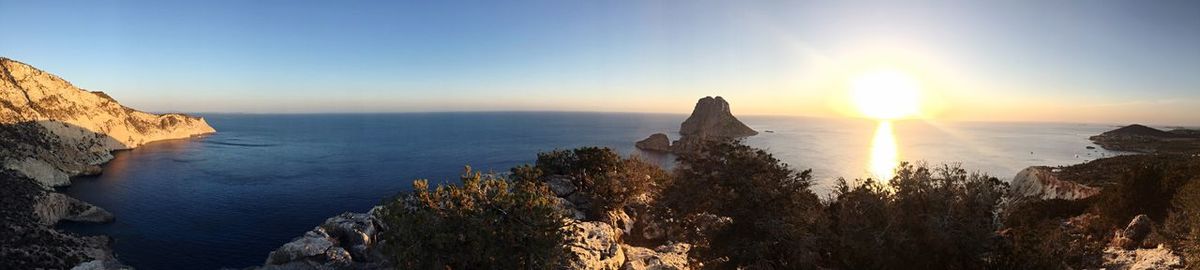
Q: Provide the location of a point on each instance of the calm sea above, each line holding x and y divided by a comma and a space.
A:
228, 199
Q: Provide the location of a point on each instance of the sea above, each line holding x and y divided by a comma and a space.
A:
229, 198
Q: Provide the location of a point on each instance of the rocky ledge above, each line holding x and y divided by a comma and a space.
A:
710, 120
1144, 139
350, 241
51, 130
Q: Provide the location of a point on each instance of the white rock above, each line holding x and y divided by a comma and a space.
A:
594, 245
1038, 182
666, 257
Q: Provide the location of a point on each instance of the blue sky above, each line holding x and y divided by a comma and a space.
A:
1088, 61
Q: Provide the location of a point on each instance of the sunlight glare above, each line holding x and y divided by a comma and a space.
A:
884, 153
886, 94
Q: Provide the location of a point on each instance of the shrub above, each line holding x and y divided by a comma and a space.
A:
605, 179
942, 218
743, 208
484, 223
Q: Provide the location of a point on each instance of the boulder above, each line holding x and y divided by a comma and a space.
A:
52, 207
561, 185
666, 257
657, 142
344, 241
593, 245
1134, 234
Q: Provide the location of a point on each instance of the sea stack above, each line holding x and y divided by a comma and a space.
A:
50, 131
711, 120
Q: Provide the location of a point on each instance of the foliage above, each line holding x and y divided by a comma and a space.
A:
1184, 222
743, 208
941, 218
608, 181
484, 223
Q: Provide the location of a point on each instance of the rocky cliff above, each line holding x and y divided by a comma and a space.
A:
710, 120
51, 130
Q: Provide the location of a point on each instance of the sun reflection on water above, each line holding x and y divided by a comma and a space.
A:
884, 153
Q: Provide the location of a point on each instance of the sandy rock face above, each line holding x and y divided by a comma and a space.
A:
1141, 259
1039, 182
666, 257
90, 124
594, 245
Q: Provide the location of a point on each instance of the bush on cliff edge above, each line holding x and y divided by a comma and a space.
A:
606, 180
743, 208
923, 218
484, 223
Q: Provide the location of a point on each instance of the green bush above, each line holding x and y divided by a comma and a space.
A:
608, 181
742, 208
941, 218
484, 223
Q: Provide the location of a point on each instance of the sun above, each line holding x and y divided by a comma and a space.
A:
886, 94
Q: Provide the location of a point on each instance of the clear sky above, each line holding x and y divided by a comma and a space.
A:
1087, 61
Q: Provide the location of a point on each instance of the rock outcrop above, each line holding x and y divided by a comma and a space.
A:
1039, 182
50, 131
345, 241
594, 245
666, 257
711, 120
657, 142
1129, 249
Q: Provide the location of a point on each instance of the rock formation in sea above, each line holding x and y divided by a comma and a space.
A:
711, 120
656, 142
51, 130
1144, 139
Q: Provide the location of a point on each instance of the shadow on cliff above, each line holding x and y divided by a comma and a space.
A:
37, 156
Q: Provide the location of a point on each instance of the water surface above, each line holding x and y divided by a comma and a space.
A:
227, 199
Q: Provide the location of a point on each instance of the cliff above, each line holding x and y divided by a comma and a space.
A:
51, 130
69, 130
711, 120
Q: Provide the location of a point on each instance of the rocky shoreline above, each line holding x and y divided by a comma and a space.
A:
51, 131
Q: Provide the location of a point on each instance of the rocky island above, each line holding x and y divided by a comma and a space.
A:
711, 120
51, 130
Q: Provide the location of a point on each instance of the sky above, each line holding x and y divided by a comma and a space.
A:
1058, 61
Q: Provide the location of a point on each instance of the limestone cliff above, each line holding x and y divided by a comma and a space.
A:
51, 130
70, 130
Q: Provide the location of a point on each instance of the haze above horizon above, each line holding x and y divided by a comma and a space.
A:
1096, 61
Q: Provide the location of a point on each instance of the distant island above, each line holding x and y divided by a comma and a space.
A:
711, 120
1144, 139
50, 131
